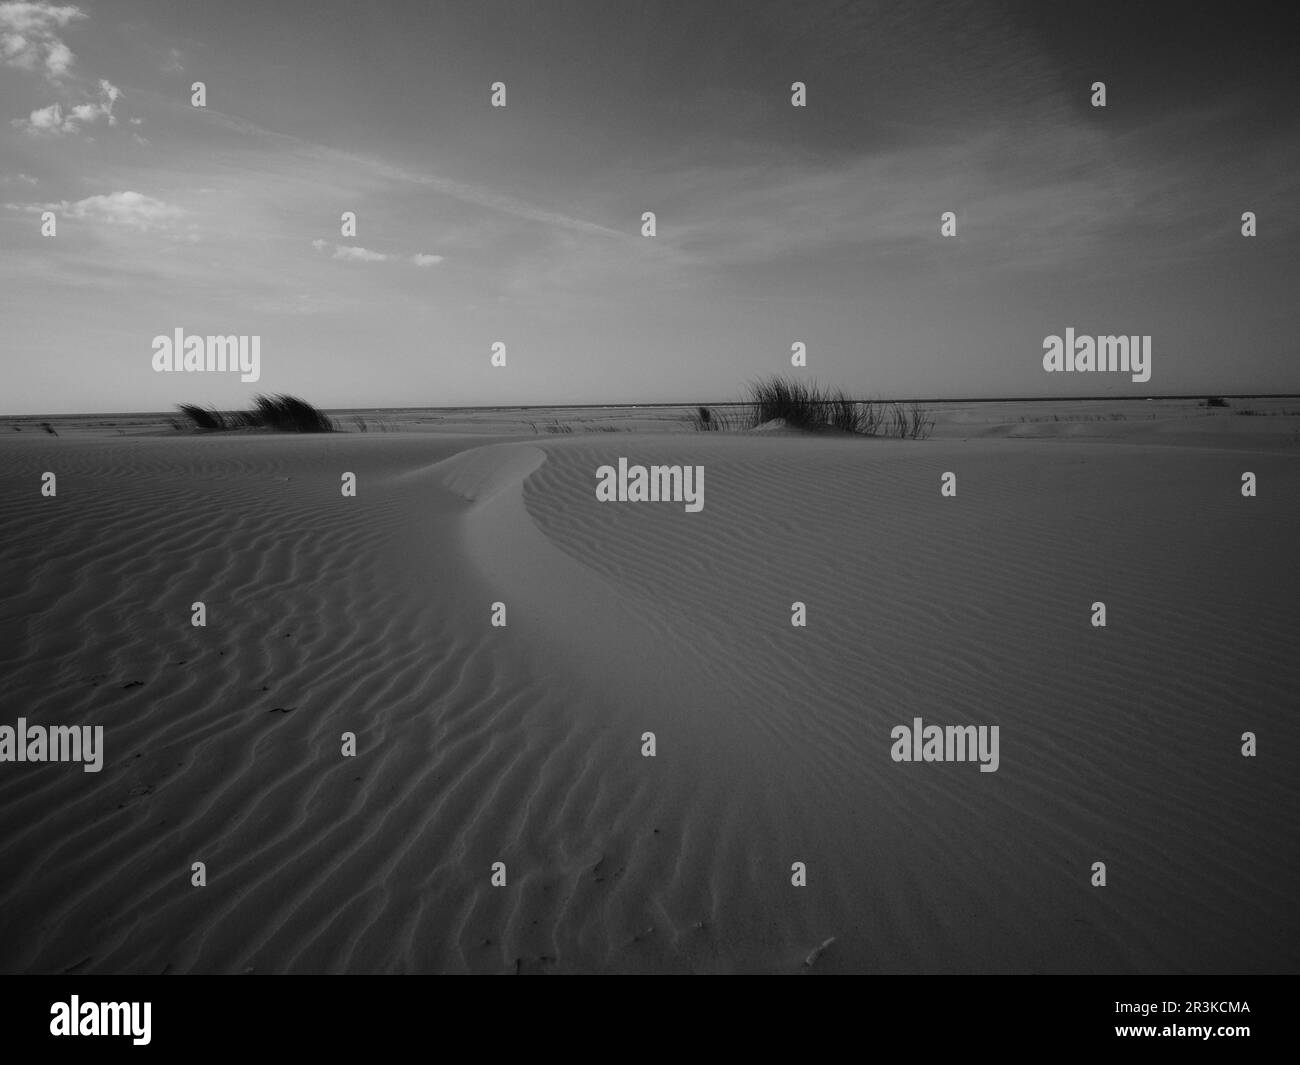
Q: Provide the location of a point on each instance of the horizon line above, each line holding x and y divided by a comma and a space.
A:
713, 403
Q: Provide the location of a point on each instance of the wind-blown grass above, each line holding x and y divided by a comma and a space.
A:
805, 405
289, 414
280, 413
209, 418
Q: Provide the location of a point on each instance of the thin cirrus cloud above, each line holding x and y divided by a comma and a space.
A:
476, 196
132, 210
29, 37
352, 253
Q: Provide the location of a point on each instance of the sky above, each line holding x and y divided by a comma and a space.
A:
523, 224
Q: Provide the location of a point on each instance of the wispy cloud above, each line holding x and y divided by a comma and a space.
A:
29, 37
56, 120
471, 194
351, 253
132, 210
29, 40
354, 254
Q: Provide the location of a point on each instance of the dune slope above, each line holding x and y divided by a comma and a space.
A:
478, 744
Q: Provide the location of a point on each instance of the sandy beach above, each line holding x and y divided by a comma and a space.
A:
522, 744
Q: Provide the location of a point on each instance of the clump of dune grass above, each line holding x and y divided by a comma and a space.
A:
208, 418
289, 414
805, 405
281, 413
797, 403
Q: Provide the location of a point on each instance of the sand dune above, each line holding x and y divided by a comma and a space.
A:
522, 745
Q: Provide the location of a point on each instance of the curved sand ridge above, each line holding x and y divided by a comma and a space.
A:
523, 744
1121, 745
325, 615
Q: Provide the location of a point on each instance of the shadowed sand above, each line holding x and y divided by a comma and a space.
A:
522, 744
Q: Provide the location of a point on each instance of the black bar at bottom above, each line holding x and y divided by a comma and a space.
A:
341, 1015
